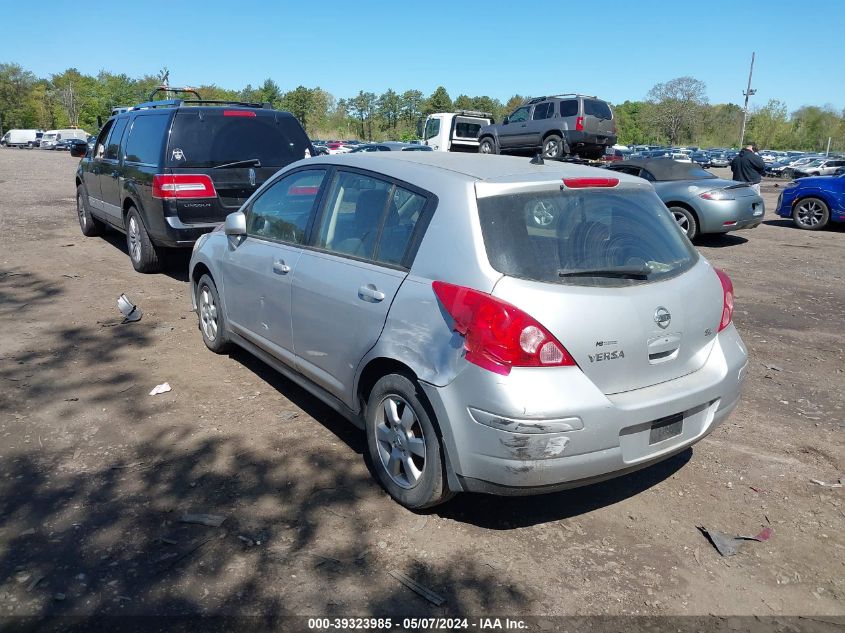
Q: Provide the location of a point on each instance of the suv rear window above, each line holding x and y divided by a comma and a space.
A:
587, 237
217, 139
597, 108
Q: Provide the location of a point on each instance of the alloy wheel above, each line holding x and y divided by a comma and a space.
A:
134, 235
80, 210
682, 220
208, 314
550, 149
401, 442
810, 213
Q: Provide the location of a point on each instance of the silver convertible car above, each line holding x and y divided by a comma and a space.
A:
416, 293
700, 202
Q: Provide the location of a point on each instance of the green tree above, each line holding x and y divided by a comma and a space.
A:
677, 107
16, 85
363, 106
514, 102
438, 101
389, 107
411, 104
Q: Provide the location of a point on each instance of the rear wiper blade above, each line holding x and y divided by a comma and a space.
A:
250, 161
626, 273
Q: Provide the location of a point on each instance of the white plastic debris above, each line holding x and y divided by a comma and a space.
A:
129, 310
162, 388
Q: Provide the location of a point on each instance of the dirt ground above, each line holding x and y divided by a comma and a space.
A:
95, 473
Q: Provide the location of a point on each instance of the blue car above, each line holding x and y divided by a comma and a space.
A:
813, 202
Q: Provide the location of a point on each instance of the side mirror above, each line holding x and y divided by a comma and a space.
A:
235, 224
78, 151
506, 120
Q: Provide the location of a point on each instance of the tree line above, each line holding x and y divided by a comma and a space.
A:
672, 113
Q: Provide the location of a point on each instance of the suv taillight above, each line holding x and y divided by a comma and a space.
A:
579, 124
498, 335
727, 299
181, 186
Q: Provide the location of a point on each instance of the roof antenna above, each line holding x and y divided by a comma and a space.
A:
538, 160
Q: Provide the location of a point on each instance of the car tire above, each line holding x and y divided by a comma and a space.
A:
488, 146
686, 220
404, 445
91, 227
212, 318
552, 147
811, 214
144, 255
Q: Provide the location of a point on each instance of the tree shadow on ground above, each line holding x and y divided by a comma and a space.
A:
175, 260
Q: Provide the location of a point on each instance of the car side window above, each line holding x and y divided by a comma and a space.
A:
519, 115
354, 214
403, 211
283, 211
569, 107
541, 111
100, 145
113, 144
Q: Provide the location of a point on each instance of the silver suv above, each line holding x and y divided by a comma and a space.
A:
492, 324
556, 126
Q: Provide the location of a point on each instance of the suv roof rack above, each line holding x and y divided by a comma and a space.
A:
175, 103
565, 94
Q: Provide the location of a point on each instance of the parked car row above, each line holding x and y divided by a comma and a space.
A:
576, 335
51, 139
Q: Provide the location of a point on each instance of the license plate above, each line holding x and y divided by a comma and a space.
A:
666, 428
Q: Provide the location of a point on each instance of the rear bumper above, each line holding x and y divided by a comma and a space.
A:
723, 216
508, 435
177, 234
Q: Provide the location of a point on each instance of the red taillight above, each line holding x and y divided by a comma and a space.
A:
181, 186
498, 335
583, 183
728, 299
579, 124
238, 113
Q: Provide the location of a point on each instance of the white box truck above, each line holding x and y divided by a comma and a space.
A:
454, 131
21, 138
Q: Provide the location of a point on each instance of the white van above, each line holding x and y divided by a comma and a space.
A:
52, 137
21, 138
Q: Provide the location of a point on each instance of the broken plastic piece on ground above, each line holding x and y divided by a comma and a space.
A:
728, 545
211, 520
129, 310
162, 388
819, 482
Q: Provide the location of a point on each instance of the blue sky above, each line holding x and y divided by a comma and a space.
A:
615, 49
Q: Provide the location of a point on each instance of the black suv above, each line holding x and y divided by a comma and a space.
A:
555, 126
167, 171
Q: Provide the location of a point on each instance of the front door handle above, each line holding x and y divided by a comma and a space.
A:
370, 293
280, 267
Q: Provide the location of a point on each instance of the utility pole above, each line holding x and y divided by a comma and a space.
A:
827, 153
748, 92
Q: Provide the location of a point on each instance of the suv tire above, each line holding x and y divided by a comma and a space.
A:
212, 320
488, 146
552, 147
403, 444
145, 257
90, 226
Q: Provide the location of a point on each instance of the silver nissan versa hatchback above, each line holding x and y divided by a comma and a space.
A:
492, 325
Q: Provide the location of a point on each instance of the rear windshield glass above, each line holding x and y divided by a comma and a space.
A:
587, 237
216, 139
596, 108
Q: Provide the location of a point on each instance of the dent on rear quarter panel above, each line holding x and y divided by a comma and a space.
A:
418, 333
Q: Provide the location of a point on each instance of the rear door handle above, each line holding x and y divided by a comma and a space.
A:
370, 293
280, 267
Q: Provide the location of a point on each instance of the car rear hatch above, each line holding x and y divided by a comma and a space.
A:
598, 119
609, 274
236, 148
